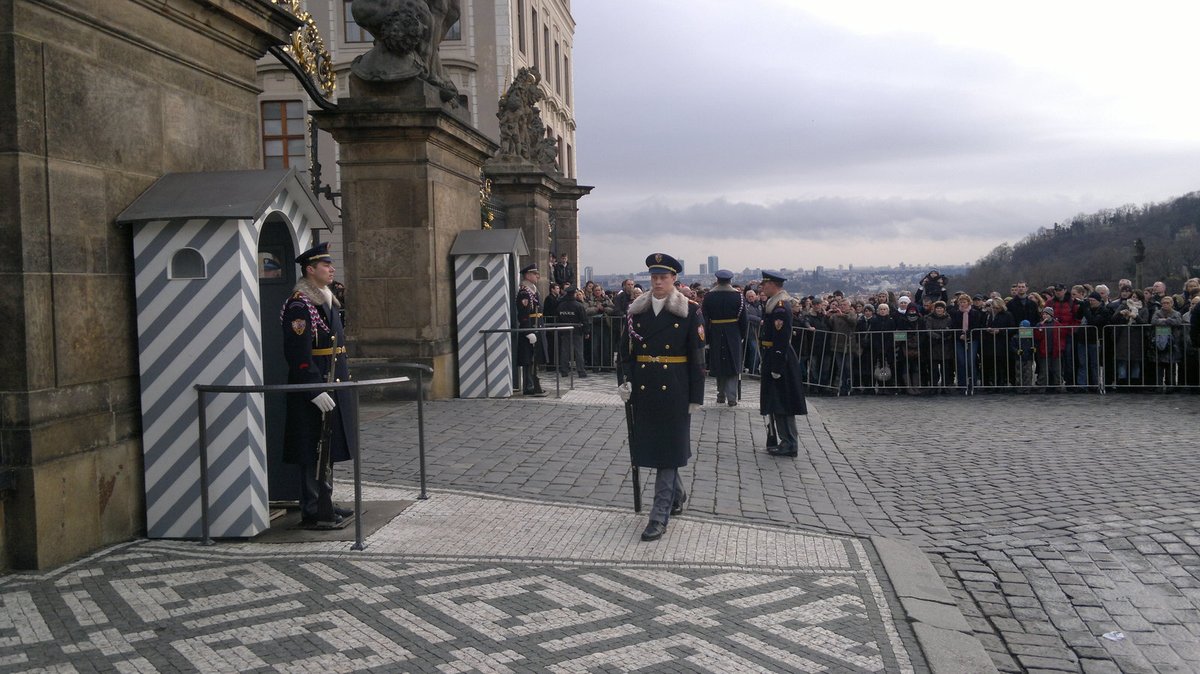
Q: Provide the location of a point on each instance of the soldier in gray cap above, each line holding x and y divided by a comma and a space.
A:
662, 355
724, 325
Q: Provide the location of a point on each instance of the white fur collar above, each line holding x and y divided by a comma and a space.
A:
676, 304
778, 297
316, 294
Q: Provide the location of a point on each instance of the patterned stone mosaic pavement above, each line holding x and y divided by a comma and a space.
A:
468, 583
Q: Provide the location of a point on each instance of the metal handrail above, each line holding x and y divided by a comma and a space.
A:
203, 389
487, 369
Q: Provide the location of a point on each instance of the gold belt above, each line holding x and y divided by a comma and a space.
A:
662, 359
767, 344
328, 351
535, 315
719, 321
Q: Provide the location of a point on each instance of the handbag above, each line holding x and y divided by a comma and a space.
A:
882, 372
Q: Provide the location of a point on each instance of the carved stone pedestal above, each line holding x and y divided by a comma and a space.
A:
531, 196
410, 184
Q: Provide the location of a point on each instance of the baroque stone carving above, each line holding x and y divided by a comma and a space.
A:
522, 133
407, 35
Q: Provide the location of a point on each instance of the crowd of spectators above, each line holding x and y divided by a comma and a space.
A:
929, 339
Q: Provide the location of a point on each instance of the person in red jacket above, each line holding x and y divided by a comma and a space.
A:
1051, 342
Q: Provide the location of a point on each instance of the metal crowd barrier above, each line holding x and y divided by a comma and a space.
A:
1148, 356
1040, 358
825, 358
202, 390
916, 361
487, 370
606, 334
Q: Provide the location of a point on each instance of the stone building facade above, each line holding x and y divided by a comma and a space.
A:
492, 41
97, 101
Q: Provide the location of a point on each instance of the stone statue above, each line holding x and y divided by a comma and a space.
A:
407, 35
522, 133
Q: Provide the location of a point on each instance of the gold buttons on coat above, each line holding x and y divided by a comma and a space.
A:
676, 325
667, 347
644, 346
664, 387
643, 366
642, 387
664, 367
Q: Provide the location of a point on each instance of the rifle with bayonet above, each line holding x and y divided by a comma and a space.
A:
324, 450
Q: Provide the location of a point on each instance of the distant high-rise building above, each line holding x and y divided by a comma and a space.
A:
682, 266
587, 274
704, 268
713, 265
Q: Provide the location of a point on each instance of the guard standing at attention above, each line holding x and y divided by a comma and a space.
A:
725, 324
782, 393
319, 429
530, 349
662, 355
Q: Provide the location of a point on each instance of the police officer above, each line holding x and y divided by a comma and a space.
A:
782, 389
725, 323
311, 322
571, 312
530, 349
662, 355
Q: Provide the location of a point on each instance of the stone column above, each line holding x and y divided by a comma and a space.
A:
564, 207
527, 193
410, 184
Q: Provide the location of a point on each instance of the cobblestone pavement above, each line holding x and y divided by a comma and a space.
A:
1054, 520
466, 583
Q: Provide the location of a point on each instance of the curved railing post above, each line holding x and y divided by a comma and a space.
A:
421, 429
203, 389
204, 525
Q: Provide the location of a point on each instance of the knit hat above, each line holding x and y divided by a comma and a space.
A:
903, 300
1024, 323
1048, 310
1095, 296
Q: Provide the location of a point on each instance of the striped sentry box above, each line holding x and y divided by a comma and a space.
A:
483, 303
199, 322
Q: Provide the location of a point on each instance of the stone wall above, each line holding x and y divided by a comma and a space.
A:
98, 98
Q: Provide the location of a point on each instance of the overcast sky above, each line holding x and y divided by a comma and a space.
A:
779, 133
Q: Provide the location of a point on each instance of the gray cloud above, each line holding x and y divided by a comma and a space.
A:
736, 121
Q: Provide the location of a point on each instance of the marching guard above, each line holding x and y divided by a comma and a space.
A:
662, 355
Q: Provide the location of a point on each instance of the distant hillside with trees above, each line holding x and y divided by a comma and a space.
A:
1099, 248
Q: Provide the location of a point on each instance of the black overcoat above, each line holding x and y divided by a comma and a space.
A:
724, 325
308, 326
784, 395
662, 385
529, 315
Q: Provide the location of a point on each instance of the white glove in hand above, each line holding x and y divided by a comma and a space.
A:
624, 391
693, 408
776, 375
532, 338
324, 402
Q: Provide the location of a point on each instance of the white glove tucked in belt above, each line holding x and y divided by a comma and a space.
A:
776, 375
324, 402
532, 338
624, 391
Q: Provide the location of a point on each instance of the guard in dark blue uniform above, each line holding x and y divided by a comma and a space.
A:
310, 323
782, 392
530, 346
662, 355
725, 324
